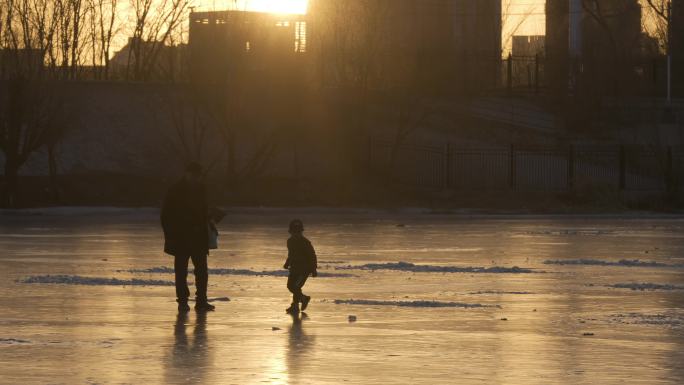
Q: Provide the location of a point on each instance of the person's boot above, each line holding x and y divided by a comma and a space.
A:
183, 307
305, 301
293, 309
203, 305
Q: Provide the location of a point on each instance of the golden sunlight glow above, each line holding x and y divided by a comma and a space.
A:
275, 6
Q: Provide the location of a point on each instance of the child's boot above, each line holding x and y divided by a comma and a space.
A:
305, 301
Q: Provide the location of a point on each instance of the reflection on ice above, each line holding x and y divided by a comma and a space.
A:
190, 356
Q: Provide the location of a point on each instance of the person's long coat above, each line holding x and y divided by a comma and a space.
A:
184, 220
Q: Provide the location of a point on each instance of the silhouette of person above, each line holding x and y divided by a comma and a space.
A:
185, 221
302, 263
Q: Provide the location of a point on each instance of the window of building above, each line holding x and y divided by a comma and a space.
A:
300, 36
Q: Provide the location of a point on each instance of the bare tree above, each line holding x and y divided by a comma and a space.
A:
29, 113
31, 102
615, 37
103, 26
657, 21
155, 22
72, 18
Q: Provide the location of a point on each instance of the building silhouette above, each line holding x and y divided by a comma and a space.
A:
228, 44
592, 50
442, 47
529, 45
677, 47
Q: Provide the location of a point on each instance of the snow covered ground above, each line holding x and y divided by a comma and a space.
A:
403, 298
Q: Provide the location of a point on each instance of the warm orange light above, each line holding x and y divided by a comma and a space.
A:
289, 7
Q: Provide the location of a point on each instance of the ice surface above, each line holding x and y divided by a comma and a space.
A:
406, 266
110, 335
622, 262
93, 281
646, 286
368, 302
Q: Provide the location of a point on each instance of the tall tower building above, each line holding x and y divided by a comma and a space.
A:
589, 48
677, 47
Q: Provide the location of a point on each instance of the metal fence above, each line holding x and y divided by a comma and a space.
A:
550, 169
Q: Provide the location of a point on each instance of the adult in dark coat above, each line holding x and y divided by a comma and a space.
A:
184, 218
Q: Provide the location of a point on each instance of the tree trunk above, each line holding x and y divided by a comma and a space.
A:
9, 193
52, 166
231, 168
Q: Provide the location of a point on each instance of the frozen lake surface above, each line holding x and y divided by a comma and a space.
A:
405, 298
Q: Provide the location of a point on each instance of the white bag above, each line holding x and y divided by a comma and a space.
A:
213, 236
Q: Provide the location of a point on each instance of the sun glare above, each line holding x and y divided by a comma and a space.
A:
276, 6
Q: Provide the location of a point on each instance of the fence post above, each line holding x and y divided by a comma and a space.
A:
512, 174
571, 168
669, 171
529, 77
536, 74
446, 169
623, 168
370, 152
509, 73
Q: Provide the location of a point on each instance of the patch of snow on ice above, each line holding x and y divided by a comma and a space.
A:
571, 232
244, 272
500, 292
93, 281
669, 319
622, 262
12, 341
406, 266
410, 303
646, 286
